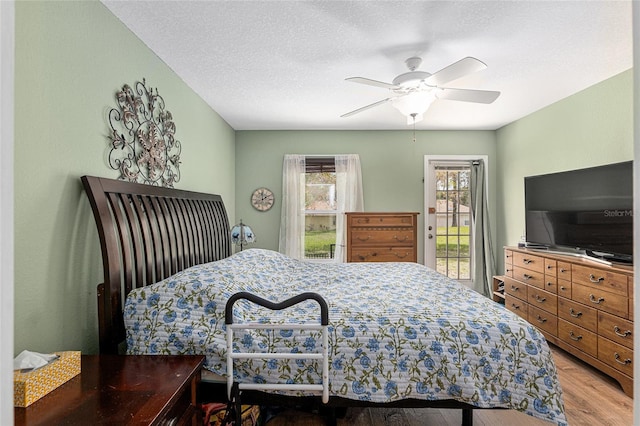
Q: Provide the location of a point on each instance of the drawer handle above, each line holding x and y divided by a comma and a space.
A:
616, 330
363, 220
401, 240
364, 239
563, 270
526, 261
549, 283
593, 279
401, 255
563, 288
527, 276
617, 358
541, 320
574, 313
593, 299
549, 267
361, 257
540, 299
514, 288
514, 306
574, 337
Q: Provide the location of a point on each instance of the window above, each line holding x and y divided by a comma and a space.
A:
316, 192
320, 208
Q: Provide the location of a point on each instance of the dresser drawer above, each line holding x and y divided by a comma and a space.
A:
564, 271
516, 305
578, 314
515, 289
365, 236
550, 283
599, 278
543, 320
543, 300
382, 220
600, 299
578, 337
529, 277
550, 267
508, 257
615, 355
564, 288
391, 254
615, 329
526, 260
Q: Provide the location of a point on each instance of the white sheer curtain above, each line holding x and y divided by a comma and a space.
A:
292, 220
349, 197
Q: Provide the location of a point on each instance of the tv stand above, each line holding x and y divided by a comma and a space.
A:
579, 303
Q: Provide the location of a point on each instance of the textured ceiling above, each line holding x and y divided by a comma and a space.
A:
282, 64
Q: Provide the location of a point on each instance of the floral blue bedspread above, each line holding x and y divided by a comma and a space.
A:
397, 330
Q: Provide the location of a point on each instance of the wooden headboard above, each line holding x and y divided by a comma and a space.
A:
148, 233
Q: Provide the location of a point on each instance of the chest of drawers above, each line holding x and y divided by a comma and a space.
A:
584, 307
382, 237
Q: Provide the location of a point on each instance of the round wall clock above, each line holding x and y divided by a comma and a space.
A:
262, 199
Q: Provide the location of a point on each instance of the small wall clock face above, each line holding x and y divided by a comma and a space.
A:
262, 199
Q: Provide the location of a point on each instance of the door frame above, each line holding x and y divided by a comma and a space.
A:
428, 159
7, 98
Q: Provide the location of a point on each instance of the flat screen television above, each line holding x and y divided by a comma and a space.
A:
586, 211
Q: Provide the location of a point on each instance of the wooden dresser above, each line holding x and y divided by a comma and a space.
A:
582, 306
382, 237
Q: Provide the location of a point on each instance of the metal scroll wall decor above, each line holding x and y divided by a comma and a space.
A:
143, 145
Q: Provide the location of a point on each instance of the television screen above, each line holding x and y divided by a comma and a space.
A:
589, 210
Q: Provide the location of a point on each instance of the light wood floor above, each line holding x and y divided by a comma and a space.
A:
590, 398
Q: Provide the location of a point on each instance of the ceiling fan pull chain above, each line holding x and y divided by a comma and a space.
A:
414, 126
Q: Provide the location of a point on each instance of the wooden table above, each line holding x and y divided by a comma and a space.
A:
119, 390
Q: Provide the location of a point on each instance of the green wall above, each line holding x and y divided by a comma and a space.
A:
392, 168
71, 58
590, 128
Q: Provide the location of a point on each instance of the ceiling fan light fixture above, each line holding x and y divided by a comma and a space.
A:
414, 105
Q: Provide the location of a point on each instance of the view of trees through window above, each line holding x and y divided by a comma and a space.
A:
320, 214
453, 221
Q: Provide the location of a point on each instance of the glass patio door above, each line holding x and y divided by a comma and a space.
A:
448, 227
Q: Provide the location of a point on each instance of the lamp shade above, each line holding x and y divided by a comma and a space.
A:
414, 105
242, 234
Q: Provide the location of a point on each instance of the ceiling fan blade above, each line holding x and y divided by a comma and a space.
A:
370, 82
469, 95
456, 70
364, 108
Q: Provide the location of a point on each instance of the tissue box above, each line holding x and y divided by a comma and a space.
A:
30, 387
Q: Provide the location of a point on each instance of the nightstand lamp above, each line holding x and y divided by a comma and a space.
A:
242, 234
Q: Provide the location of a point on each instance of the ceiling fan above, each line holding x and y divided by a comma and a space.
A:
414, 91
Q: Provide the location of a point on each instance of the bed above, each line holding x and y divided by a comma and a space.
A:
169, 273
